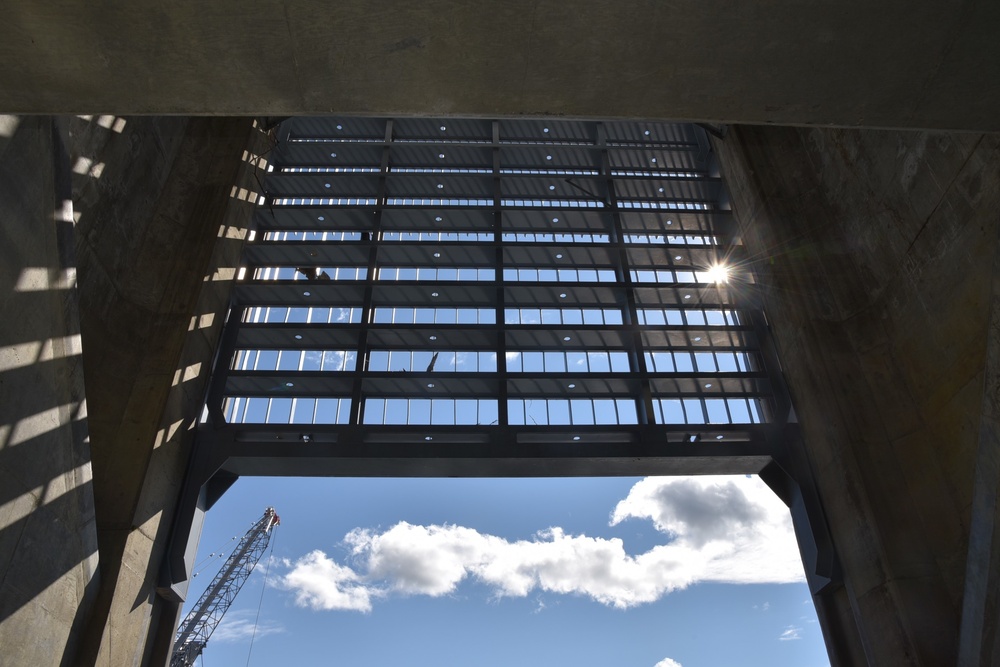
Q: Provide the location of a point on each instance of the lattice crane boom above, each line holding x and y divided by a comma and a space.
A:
203, 618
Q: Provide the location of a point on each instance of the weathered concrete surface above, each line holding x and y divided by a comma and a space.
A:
979, 641
160, 231
161, 209
48, 537
875, 253
849, 63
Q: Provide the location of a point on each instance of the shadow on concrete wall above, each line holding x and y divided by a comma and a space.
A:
48, 541
159, 233
145, 213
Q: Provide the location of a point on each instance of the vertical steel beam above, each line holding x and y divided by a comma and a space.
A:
498, 263
367, 310
637, 355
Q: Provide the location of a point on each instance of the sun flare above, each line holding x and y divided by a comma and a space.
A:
719, 273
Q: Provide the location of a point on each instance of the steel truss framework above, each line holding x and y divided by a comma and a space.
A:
575, 255
207, 613
496, 298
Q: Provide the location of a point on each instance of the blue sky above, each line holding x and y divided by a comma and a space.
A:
490, 572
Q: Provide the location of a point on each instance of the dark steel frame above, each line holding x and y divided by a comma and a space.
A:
619, 156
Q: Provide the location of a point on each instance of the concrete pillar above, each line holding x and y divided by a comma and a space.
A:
875, 251
160, 208
163, 207
979, 639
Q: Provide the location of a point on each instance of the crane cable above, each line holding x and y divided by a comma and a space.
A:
267, 568
205, 562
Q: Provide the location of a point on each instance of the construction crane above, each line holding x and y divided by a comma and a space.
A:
212, 605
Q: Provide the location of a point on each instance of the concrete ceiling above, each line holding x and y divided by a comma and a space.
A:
849, 63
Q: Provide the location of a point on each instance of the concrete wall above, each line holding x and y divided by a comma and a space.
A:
48, 535
876, 252
160, 206
876, 256
844, 62
150, 221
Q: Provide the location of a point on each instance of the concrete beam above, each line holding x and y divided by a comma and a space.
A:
849, 63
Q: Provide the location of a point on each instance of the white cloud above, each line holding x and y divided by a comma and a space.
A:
790, 633
667, 662
433, 560
320, 583
428, 560
722, 529
737, 522
239, 627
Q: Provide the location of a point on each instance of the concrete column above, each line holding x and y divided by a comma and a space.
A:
875, 251
979, 640
163, 206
